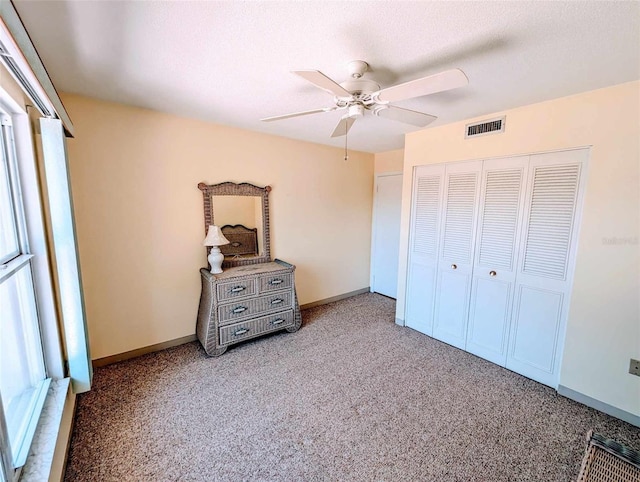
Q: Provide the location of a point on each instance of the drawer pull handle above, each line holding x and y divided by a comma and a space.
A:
236, 244
238, 289
277, 301
275, 281
239, 309
492, 273
279, 321
241, 331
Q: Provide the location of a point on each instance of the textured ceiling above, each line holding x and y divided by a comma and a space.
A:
229, 61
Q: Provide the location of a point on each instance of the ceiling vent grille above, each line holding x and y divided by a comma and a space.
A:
492, 126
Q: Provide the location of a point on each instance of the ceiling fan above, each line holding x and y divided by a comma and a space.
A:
358, 95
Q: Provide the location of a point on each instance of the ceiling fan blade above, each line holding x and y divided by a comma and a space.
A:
404, 115
296, 114
447, 80
318, 79
343, 126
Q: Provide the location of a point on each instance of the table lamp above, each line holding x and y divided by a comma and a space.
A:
214, 239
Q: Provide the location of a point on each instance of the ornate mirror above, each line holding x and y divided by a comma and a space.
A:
242, 213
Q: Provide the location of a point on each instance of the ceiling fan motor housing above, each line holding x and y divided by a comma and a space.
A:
360, 86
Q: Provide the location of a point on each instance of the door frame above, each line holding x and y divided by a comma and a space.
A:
374, 220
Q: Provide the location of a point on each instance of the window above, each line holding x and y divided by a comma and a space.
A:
41, 306
23, 375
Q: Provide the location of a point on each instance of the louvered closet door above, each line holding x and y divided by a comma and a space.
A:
494, 270
545, 267
455, 262
423, 242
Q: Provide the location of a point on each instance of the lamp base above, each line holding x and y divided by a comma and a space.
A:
215, 259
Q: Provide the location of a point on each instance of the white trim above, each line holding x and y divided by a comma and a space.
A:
41, 265
60, 201
374, 222
11, 267
38, 95
403, 278
35, 408
7, 471
17, 42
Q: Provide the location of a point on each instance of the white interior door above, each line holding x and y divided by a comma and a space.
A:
494, 269
455, 263
386, 235
428, 182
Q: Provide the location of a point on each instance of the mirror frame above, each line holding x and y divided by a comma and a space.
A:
242, 189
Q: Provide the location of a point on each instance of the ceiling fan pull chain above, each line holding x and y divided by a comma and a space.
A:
346, 134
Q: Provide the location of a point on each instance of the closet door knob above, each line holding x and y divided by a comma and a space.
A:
454, 266
492, 273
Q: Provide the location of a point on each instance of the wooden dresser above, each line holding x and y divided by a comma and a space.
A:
244, 302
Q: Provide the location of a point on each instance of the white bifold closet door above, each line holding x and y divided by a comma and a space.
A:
455, 260
494, 267
491, 258
423, 246
545, 268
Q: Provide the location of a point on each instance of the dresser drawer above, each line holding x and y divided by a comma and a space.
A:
236, 289
241, 309
251, 328
272, 282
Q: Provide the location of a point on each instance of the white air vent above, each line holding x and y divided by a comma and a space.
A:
492, 126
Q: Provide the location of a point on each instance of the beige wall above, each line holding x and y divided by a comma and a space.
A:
603, 329
389, 161
139, 215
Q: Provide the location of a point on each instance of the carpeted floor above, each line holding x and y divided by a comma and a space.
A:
351, 396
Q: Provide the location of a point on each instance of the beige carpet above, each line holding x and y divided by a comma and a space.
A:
351, 396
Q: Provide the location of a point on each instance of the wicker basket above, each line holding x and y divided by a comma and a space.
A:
606, 460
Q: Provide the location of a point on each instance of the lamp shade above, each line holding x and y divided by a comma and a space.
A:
215, 237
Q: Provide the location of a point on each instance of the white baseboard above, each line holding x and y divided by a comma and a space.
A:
598, 405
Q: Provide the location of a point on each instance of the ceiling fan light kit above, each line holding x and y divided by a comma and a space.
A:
358, 95
355, 110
